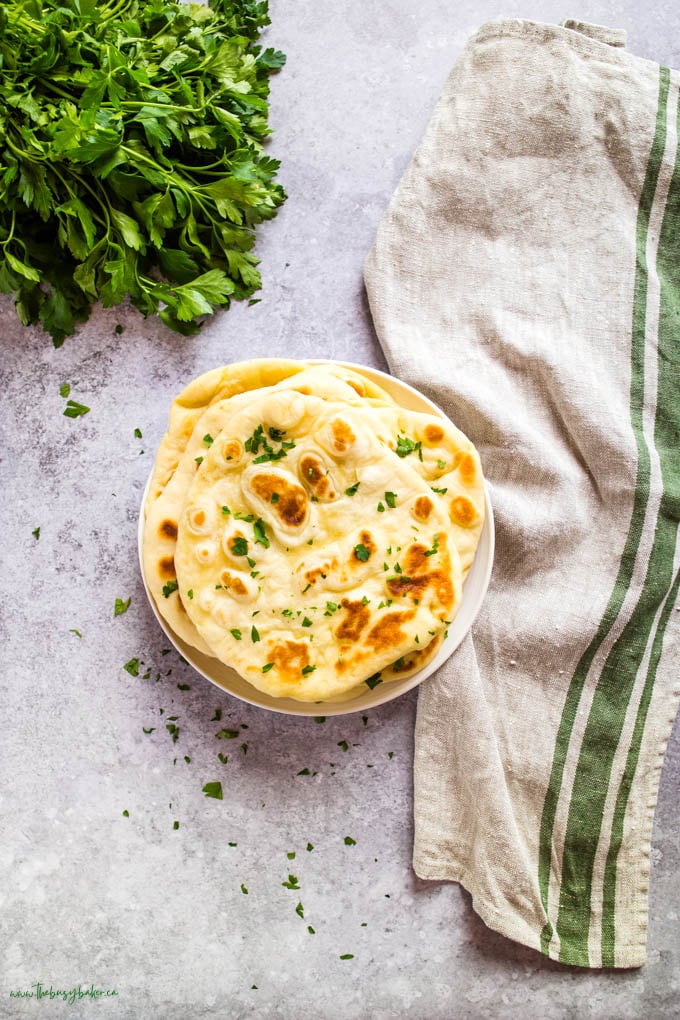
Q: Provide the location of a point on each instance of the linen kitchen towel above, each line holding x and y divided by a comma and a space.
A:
526, 276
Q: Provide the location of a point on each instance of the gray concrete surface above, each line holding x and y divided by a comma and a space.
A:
129, 903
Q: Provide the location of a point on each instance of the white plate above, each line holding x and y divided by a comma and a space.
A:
474, 591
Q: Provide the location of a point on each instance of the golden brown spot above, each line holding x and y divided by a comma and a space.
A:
290, 658
343, 437
462, 512
292, 503
467, 468
168, 529
166, 567
433, 434
234, 540
233, 584
232, 449
417, 577
366, 540
314, 474
387, 631
312, 576
198, 518
356, 386
357, 617
423, 508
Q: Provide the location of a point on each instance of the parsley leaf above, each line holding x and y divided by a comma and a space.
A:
361, 552
121, 607
75, 410
406, 446
132, 157
213, 790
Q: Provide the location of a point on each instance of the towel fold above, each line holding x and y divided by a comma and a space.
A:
526, 277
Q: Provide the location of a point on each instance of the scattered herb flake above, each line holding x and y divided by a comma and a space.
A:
64, 389
169, 588
36, 533
349, 841
373, 681
353, 489
236, 633
267, 666
126, 813
306, 670
361, 552
208, 440
254, 634
75, 410
227, 735
300, 910
292, 883
138, 433
132, 667
406, 446
121, 606
213, 790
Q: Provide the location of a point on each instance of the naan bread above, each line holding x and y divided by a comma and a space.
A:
305, 557
162, 517
221, 383
446, 459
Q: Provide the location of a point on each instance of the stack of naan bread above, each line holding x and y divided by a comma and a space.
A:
306, 530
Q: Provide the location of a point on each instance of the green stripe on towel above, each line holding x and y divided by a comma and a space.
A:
585, 814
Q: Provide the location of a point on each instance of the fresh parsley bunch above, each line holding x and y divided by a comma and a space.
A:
131, 156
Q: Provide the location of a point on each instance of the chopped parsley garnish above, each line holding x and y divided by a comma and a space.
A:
347, 956
306, 670
331, 607
435, 546
353, 489
254, 634
77, 633
287, 612
361, 552
236, 633
306, 622
291, 855
169, 588
132, 667
121, 607
267, 667
303, 772
381, 508
239, 547
349, 841
391, 499
75, 410
248, 518
343, 744
64, 389
199, 460
274, 497
260, 533
224, 758
309, 847
226, 511
311, 930
149, 730
258, 441
406, 446
300, 910
190, 593
126, 813
36, 533
373, 681
138, 433
244, 889
208, 440
292, 882
213, 790
441, 464
440, 492
175, 825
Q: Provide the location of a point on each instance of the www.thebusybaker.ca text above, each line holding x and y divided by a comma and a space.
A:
70, 995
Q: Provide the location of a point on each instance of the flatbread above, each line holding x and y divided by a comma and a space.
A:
219, 384
446, 459
293, 563
163, 511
